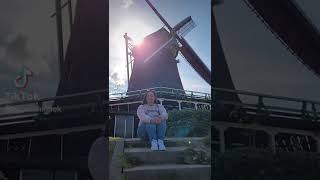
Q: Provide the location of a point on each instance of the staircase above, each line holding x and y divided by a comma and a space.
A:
171, 164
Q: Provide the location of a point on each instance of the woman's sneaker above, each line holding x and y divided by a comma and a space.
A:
161, 145
154, 145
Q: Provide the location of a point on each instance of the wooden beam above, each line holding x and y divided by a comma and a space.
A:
70, 14
59, 36
53, 132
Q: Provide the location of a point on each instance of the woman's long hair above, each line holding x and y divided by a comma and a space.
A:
145, 97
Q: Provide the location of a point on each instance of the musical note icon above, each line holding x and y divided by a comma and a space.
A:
22, 79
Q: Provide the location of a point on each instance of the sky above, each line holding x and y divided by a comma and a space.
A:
23, 43
258, 62
137, 19
28, 39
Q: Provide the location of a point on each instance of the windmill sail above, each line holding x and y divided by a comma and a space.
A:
195, 61
184, 27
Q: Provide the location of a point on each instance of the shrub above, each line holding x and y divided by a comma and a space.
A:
192, 156
112, 145
189, 123
262, 164
2, 176
129, 161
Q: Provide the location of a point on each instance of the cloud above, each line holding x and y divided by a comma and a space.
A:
13, 50
2, 52
126, 3
15, 53
114, 78
117, 83
22, 43
17, 46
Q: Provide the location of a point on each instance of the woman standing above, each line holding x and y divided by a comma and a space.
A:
152, 124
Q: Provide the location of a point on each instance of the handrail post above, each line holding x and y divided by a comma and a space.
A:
260, 104
304, 110
40, 104
272, 140
314, 110
100, 107
222, 141
179, 102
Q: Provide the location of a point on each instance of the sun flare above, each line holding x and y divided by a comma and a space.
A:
117, 46
137, 41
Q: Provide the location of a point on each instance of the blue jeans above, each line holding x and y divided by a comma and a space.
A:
148, 131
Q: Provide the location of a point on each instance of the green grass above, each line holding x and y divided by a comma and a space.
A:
2, 176
112, 144
129, 162
111, 148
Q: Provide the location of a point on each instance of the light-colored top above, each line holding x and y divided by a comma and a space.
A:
146, 113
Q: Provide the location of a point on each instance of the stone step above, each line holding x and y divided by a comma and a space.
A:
172, 155
169, 172
169, 142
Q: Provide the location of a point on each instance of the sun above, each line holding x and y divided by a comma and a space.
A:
137, 34
137, 41
117, 46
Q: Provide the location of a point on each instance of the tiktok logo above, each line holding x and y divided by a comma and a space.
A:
22, 79
21, 83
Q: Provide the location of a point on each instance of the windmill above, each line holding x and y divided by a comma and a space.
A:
166, 39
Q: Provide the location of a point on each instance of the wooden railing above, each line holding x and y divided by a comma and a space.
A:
21, 110
270, 104
162, 92
251, 102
